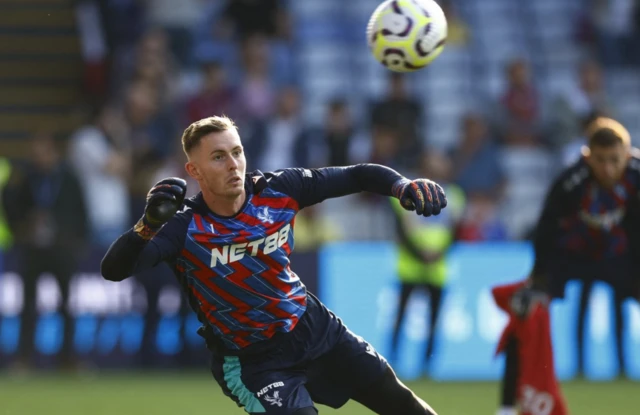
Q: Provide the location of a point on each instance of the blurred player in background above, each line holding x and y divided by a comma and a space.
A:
275, 347
589, 230
422, 246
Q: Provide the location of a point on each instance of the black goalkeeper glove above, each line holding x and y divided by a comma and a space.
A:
424, 196
163, 201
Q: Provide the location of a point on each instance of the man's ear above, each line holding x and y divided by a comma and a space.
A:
585, 151
192, 170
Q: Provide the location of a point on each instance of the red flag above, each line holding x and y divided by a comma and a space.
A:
538, 388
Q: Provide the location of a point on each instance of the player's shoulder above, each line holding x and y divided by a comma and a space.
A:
574, 176
257, 181
183, 216
292, 172
283, 181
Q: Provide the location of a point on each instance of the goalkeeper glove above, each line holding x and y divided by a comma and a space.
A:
424, 196
163, 201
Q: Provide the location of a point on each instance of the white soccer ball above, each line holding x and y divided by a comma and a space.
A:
406, 35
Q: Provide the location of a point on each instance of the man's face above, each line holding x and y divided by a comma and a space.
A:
608, 163
437, 167
141, 103
519, 74
591, 77
218, 164
474, 129
338, 119
44, 153
214, 78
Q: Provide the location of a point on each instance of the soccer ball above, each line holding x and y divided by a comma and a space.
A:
406, 35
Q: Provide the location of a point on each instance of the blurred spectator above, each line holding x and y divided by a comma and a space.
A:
283, 132
403, 114
457, 30
520, 100
94, 49
263, 17
482, 220
338, 133
385, 146
123, 22
576, 103
477, 161
614, 25
257, 95
519, 136
332, 143
178, 22
6, 239
154, 63
528, 169
101, 158
45, 209
153, 127
216, 98
151, 130
422, 246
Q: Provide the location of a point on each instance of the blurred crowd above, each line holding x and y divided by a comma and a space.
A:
151, 68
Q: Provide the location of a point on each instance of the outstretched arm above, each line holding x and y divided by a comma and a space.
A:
311, 186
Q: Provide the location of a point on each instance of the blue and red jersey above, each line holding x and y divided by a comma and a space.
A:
585, 221
236, 270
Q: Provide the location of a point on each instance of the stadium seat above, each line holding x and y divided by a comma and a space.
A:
309, 29
315, 8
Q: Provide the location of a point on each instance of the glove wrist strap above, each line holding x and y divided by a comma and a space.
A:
145, 230
398, 186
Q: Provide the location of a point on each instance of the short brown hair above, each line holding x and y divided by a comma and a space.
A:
194, 133
607, 132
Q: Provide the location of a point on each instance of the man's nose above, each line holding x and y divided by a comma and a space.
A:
233, 163
610, 171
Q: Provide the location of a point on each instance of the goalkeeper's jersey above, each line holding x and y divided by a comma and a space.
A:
236, 270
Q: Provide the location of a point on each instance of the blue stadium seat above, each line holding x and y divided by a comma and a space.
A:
315, 8
311, 29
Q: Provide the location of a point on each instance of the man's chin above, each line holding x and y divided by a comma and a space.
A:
235, 192
608, 183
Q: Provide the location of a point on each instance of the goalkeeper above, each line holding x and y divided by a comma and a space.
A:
276, 349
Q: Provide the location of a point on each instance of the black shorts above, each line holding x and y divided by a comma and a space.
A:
320, 361
617, 272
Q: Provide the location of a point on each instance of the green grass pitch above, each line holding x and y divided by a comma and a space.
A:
167, 393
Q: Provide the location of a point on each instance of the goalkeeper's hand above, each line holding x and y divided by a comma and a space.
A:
424, 196
163, 201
